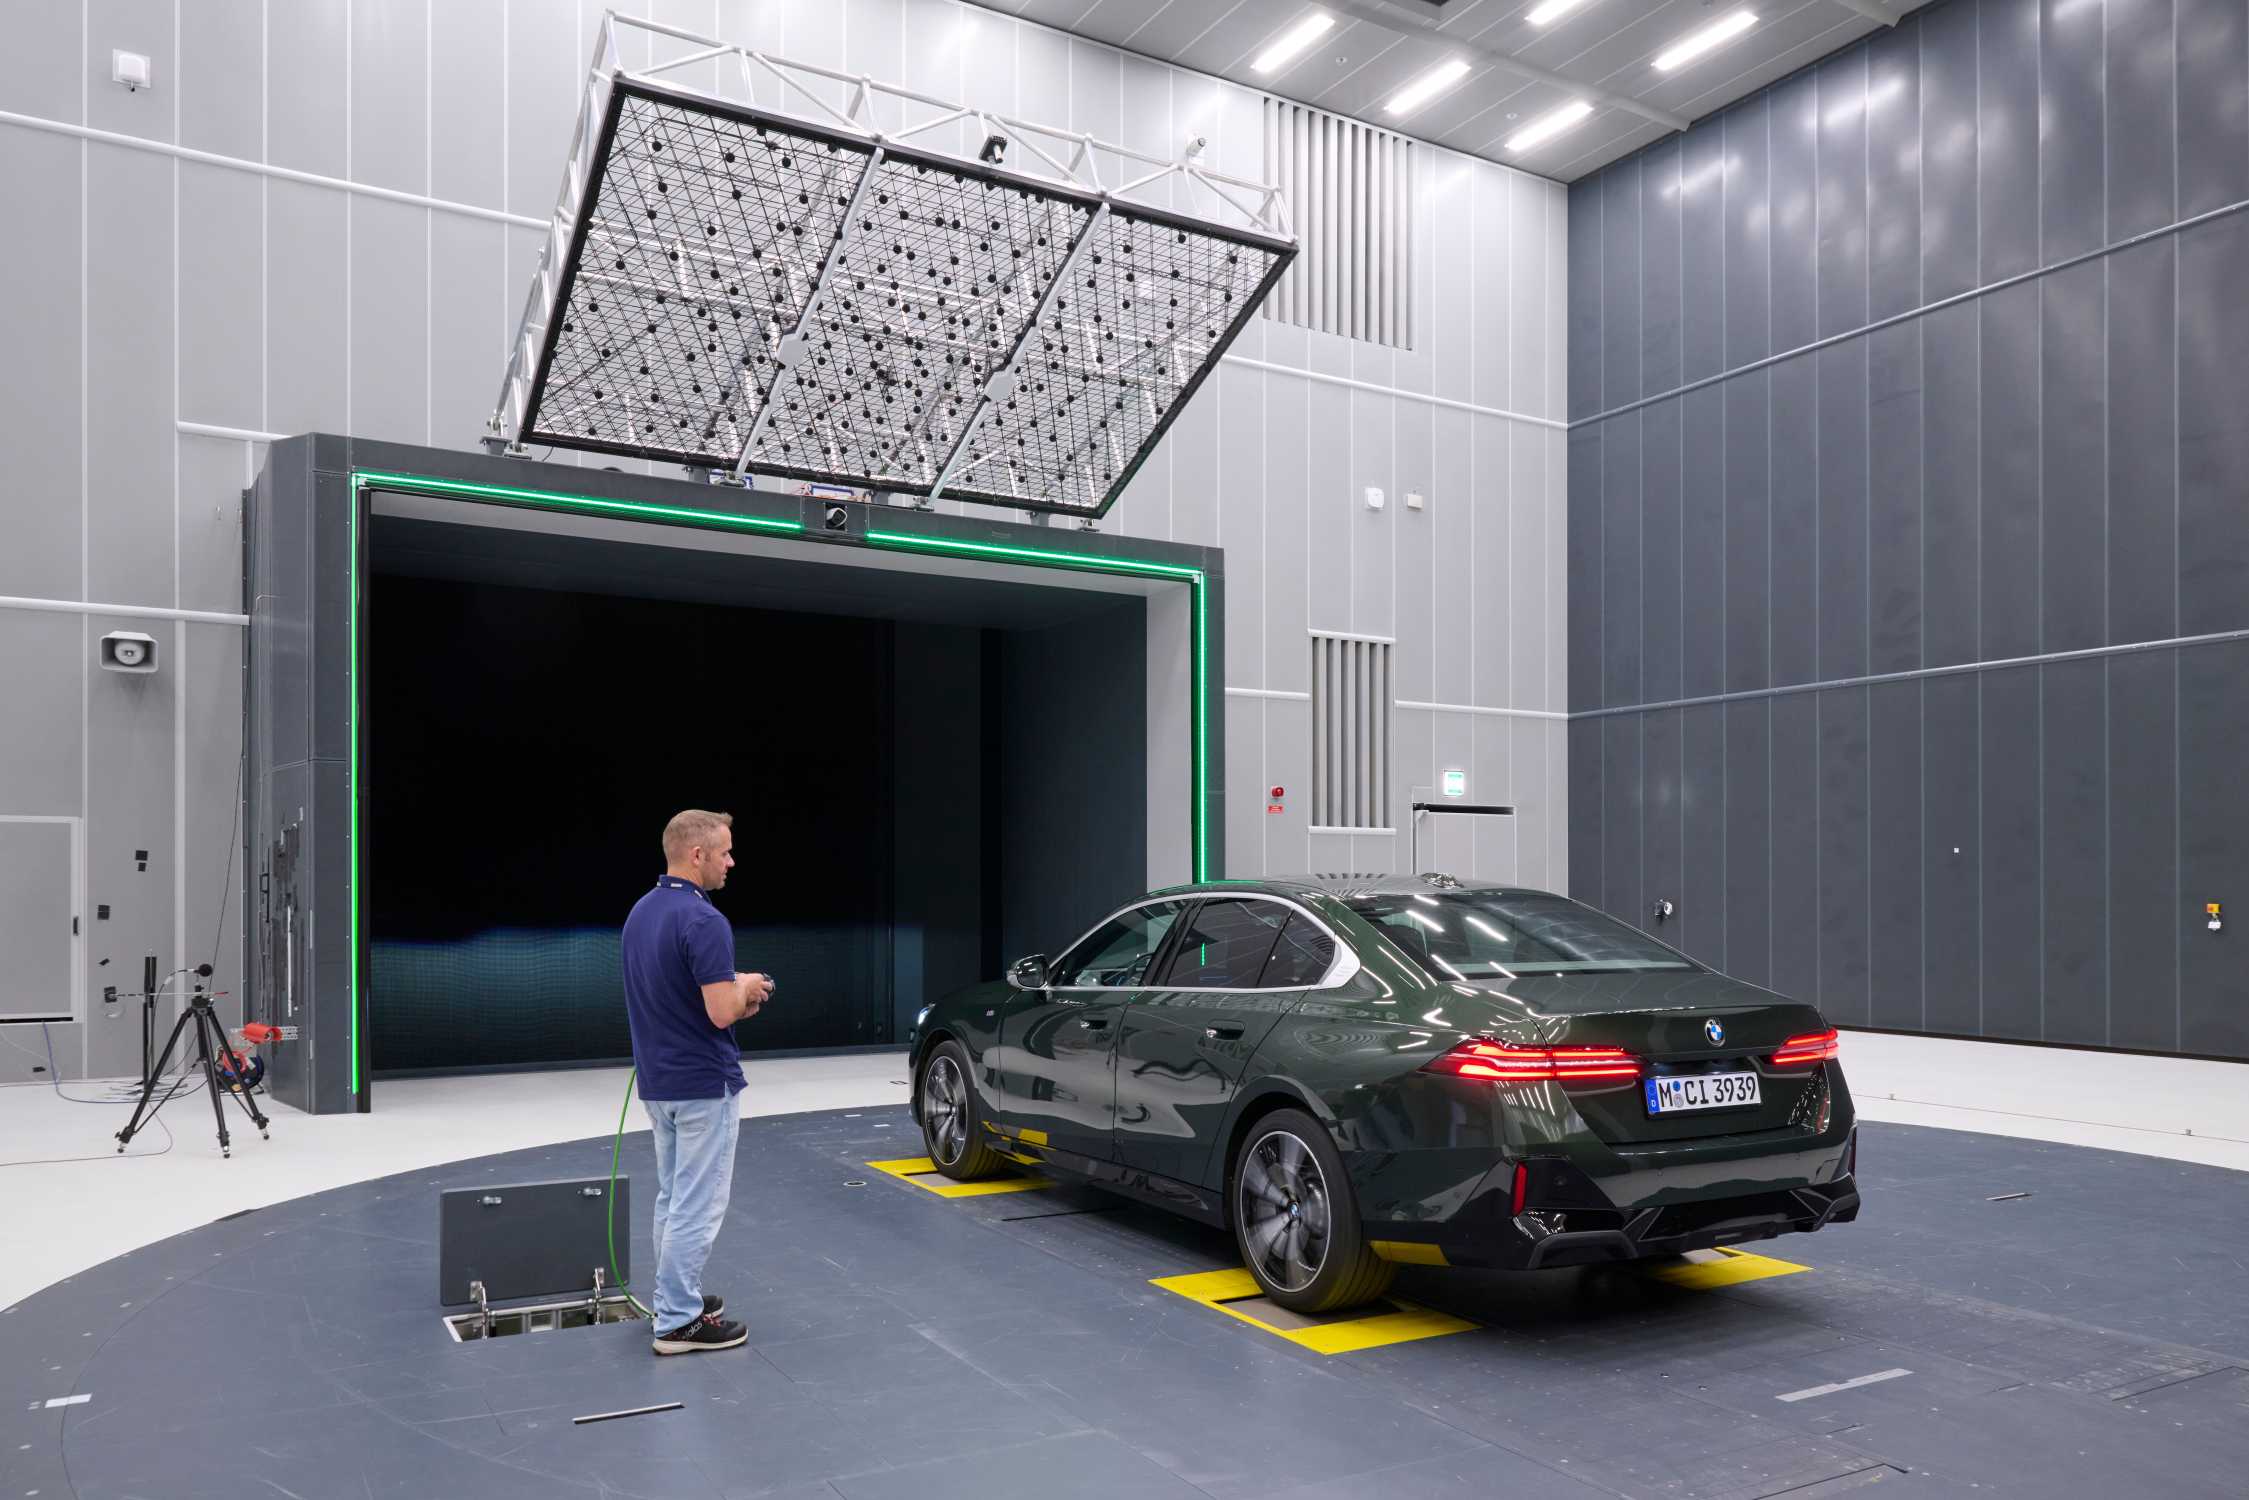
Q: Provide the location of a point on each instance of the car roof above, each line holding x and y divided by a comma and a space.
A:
1346, 887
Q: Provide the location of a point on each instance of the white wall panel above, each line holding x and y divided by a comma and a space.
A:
143, 26
1288, 764
55, 91
1245, 773
307, 61
1521, 560
222, 314
543, 79
1448, 313
1453, 505
1240, 499
1332, 511
129, 375
390, 97
1494, 842
468, 102
472, 305
1487, 222
1491, 586
1526, 291
390, 280
41, 375
218, 76
213, 472
1373, 533
41, 662
1413, 616
307, 346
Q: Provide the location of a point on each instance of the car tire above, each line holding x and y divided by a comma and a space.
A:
1296, 1218
952, 1122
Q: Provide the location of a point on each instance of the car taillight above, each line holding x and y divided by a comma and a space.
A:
1802, 1051
1504, 1062
1522, 1187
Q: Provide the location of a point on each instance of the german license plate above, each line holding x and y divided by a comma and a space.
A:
1676, 1095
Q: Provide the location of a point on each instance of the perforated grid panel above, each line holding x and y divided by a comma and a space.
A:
1147, 308
927, 304
712, 236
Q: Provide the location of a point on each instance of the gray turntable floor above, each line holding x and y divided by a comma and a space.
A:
2091, 1339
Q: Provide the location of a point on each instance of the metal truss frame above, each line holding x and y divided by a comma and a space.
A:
844, 105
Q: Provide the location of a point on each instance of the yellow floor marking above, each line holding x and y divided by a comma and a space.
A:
1706, 1270
923, 1173
1341, 1333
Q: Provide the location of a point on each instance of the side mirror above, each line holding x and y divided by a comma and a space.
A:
1028, 973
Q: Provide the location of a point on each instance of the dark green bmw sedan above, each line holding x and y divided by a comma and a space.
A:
1358, 1072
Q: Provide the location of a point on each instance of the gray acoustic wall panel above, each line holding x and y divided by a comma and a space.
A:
1894, 585
176, 311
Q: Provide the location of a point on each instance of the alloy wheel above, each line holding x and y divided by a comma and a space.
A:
944, 1111
1282, 1205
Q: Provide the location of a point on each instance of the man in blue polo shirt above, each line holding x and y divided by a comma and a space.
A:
683, 996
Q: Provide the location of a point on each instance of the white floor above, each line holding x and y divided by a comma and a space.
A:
2157, 1106
64, 1216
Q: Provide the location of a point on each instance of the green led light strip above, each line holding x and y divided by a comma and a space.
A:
351, 778
362, 480
1194, 577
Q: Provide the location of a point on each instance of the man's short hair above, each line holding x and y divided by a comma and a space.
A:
688, 829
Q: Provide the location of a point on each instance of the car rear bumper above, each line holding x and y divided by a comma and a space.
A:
1540, 1239
1678, 1229
1571, 1217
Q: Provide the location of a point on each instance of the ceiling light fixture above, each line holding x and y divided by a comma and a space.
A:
1552, 10
1427, 86
1716, 34
1549, 125
1292, 42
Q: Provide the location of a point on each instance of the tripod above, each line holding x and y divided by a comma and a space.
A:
205, 1020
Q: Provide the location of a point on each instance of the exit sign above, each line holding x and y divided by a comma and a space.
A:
1456, 783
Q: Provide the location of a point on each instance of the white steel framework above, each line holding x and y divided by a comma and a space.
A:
774, 284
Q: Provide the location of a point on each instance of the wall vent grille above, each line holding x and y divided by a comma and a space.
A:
1349, 189
1350, 732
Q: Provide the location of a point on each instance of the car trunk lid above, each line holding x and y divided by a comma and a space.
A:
1678, 1025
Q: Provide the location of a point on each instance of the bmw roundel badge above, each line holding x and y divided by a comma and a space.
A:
1715, 1032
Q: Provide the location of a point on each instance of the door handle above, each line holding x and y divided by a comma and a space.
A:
1094, 1023
1223, 1033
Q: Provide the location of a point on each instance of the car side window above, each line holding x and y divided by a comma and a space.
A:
1224, 946
1301, 958
1116, 955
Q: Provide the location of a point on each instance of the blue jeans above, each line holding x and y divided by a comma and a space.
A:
694, 1176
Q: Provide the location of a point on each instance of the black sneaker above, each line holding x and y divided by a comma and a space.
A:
705, 1333
713, 1304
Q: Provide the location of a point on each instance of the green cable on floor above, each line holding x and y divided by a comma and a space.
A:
616, 1150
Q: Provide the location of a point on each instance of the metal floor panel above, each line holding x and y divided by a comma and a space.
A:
2090, 1340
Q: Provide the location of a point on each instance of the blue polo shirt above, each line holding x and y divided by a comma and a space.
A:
676, 942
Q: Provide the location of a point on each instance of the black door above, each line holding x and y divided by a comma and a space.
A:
1238, 965
1056, 1057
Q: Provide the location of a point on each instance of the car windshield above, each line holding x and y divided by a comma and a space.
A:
1493, 934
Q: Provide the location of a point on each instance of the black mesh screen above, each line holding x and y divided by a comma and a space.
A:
725, 293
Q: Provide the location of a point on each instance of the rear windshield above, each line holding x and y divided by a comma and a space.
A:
1488, 935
